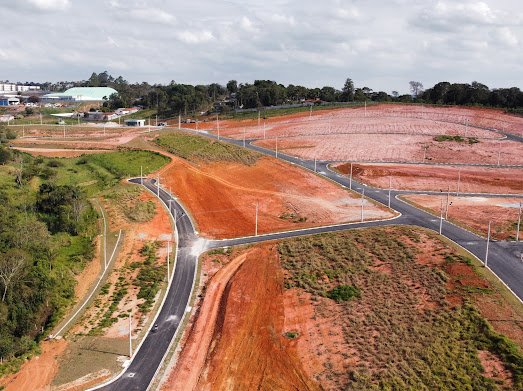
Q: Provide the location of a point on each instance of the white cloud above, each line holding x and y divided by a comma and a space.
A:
279, 18
504, 36
247, 24
195, 37
151, 15
43, 5
454, 16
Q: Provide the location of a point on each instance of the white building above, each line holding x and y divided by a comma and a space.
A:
11, 87
81, 94
135, 122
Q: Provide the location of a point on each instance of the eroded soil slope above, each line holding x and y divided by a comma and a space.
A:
377, 308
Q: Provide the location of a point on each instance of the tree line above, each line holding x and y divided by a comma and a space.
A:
175, 98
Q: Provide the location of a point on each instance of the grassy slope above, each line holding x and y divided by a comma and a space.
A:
431, 349
196, 148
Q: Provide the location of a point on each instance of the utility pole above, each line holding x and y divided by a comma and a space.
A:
519, 223
264, 131
447, 208
130, 335
390, 188
362, 201
256, 225
499, 152
179, 121
258, 118
168, 266
441, 217
350, 177
105, 239
459, 181
488, 242
315, 165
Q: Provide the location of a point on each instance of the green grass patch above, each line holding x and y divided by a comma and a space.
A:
458, 139
201, 149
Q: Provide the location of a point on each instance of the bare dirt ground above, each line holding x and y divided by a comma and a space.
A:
37, 373
222, 197
397, 148
237, 347
430, 178
252, 333
476, 212
381, 118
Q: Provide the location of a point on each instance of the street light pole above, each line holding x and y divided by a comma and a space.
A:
168, 266
315, 165
390, 188
519, 223
488, 242
459, 181
130, 336
447, 208
441, 217
350, 177
256, 225
362, 200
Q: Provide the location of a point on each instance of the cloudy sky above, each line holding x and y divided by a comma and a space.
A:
382, 44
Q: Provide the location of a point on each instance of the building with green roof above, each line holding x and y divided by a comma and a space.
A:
81, 94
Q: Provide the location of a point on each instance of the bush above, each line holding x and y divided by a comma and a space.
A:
343, 293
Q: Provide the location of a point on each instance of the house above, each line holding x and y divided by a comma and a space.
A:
99, 116
125, 111
134, 122
9, 101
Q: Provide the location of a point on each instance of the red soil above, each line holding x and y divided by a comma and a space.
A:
476, 212
238, 339
397, 148
416, 177
37, 373
242, 346
222, 197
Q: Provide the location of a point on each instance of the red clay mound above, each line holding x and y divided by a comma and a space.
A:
222, 197
242, 347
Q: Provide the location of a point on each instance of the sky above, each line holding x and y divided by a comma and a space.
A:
381, 44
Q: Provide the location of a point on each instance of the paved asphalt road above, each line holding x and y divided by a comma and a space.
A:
504, 260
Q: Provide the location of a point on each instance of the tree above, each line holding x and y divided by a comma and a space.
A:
12, 264
395, 94
33, 99
348, 90
416, 88
232, 86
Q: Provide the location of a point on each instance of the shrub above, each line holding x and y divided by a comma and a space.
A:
343, 293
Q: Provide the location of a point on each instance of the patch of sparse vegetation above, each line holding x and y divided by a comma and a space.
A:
200, 149
403, 330
149, 277
127, 199
457, 139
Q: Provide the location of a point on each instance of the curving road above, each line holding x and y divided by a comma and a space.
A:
504, 260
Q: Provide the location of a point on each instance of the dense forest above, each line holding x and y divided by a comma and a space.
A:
175, 98
47, 229
45, 236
